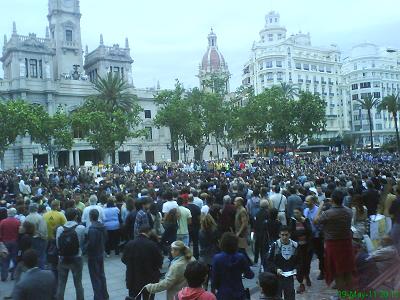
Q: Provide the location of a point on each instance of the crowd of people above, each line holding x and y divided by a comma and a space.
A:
211, 223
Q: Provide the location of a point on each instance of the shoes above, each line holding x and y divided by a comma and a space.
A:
320, 276
301, 289
308, 281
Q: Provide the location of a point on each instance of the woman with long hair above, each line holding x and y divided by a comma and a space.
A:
208, 241
170, 225
174, 280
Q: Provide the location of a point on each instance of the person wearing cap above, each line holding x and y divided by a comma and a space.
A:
40, 237
9, 236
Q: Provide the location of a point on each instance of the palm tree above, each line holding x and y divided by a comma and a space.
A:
392, 105
113, 90
289, 90
368, 103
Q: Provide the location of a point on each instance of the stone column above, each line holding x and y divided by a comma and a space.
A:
71, 158
77, 163
116, 157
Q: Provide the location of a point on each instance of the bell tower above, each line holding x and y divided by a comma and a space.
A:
65, 33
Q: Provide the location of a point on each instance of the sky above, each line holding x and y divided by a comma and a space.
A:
169, 38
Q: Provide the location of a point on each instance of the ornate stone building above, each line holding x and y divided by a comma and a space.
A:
50, 71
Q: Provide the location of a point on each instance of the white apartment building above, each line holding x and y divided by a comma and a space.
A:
277, 58
375, 71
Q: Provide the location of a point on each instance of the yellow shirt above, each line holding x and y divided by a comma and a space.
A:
53, 219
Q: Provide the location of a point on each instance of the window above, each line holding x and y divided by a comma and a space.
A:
261, 65
306, 67
279, 63
40, 69
354, 86
313, 68
364, 95
33, 68
298, 66
279, 36
356, 117
365, 85
68, 35
149, 133
355, 66
122, 72
147, 114
354, 97
268, 64
321, 68
377, 94
328, 69
279, 75
270, 37
288, 51
378, 127
270, 76
116, 70
378, 116
26, 68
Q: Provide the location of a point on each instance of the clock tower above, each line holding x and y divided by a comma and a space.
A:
65, 33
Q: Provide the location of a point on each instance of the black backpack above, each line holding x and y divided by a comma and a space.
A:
68, 242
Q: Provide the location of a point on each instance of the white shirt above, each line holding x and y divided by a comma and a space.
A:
197, 201
86, 211
167, 206
276, 198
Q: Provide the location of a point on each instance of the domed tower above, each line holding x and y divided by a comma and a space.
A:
213, 71
272, 31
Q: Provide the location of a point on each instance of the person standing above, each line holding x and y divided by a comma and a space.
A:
260, 230
142, 218
9, 236
371, 198
93, 205
194, 227
96, 239
53, 218
241, 225
279, 202
112, 225
339, 256
35, 284
293, 201
70, 239
228, 266
174, 280
317, 239
184, 220
282, 257
143, 260
40, 237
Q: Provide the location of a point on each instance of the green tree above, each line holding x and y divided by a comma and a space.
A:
290, 91
392, 105
13, 115
368, 103
174, 114
53, 133
109, 117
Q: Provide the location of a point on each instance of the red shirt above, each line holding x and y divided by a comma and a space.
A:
9, 229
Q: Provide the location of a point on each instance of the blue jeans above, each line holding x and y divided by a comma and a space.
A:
98, 278
12, 256
75, 265
184, 238
40, 246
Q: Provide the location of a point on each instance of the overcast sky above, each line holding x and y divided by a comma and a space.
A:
168, 38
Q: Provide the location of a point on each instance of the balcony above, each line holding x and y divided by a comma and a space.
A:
331, 94
330, 82
300, 80
270, 79
308, 81
316, 82
324, 94
323, 82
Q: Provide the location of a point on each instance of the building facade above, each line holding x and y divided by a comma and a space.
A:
374, 71
50, 71
278, 58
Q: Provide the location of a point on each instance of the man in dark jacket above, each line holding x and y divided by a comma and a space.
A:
260, 230
194, 227
282, 260
96, 239
35, 284
143, 260
371, 198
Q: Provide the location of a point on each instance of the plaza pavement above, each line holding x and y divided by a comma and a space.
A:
115, 274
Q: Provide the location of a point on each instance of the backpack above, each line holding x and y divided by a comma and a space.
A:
68, 242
